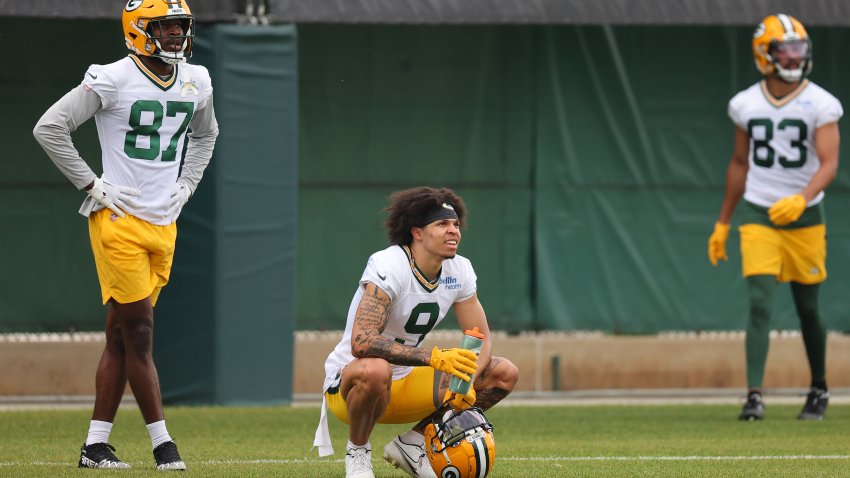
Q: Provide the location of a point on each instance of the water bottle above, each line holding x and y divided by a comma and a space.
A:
472, 340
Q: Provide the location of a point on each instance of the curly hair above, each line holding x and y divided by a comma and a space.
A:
411, 207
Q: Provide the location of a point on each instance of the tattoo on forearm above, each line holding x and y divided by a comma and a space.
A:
489, 397
370, 321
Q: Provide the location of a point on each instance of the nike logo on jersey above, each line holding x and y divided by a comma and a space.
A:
93, 77
382, 277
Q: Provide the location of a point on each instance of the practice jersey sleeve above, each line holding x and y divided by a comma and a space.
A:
379, 272
470, 282
734, 110
829, 111
54, 128
203, 131
97, 79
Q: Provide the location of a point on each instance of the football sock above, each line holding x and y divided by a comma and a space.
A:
98, 432
158, 432
761, 288
412, 437
814, 333
367, 446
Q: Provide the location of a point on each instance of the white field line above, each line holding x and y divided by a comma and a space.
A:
507, 458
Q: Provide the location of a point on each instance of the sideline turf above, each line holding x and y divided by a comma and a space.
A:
580, 441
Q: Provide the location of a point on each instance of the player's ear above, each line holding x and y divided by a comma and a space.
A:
416, 233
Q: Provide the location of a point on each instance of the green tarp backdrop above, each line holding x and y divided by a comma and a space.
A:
592, 160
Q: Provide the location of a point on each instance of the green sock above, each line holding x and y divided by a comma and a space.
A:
761, 290
814, 333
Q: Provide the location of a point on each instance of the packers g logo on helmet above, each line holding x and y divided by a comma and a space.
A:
142, 20
782, 33
461, 444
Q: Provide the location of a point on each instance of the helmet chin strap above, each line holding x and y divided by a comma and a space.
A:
789, 76
177, 56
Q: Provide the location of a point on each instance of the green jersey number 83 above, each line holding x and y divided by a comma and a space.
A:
763, 152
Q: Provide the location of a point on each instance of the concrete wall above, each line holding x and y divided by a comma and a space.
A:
65, 365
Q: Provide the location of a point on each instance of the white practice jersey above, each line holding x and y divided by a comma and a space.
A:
142, 126
782, 158
417, 305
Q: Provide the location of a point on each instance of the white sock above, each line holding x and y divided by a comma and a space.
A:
98, 432
412, 437
367, 446
158, 432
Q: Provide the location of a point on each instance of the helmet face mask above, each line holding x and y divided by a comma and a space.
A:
148, 28
782, 48
460, 444
789, 58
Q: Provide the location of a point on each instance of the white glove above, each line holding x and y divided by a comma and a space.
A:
179, 197
113, 197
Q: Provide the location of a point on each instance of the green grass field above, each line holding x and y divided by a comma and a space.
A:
574, 441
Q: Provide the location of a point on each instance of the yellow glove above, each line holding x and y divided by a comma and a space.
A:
460, 402
717, 243
787, 210
458, 362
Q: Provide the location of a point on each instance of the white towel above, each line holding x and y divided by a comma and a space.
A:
323, 435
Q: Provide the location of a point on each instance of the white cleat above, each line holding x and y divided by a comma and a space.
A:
358, 463
410, 458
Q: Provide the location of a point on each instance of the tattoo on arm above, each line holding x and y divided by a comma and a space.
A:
489, 397
369, 322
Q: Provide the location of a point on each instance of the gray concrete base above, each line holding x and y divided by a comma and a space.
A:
64, 365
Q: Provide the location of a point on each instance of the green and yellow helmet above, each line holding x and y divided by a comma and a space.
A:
142, 27
778, 35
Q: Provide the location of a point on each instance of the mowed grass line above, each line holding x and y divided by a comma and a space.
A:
569, 441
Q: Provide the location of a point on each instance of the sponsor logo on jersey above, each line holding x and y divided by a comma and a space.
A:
93, 77
450, 283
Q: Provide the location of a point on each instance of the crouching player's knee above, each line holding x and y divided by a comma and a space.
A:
495, 382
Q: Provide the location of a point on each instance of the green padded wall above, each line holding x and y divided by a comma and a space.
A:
225, 324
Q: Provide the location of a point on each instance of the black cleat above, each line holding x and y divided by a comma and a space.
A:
753, 408
99, 455
167, 458
816, 402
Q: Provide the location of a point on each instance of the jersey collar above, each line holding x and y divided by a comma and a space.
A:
780, 102
164, 85
428, 285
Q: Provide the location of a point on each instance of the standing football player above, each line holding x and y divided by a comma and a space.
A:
786, 154
143, 105
378, 372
